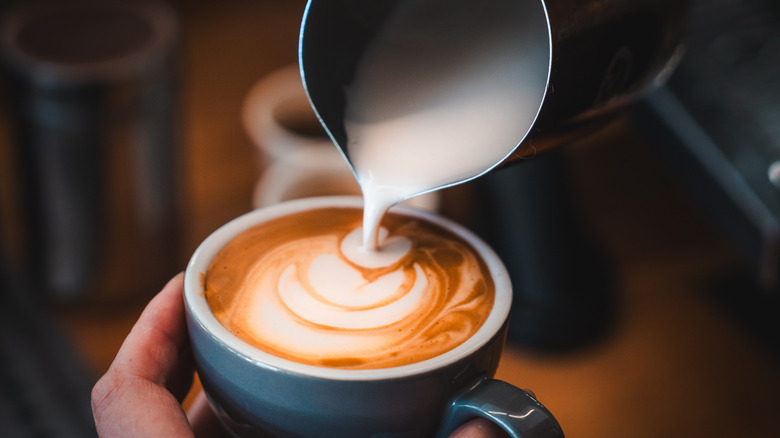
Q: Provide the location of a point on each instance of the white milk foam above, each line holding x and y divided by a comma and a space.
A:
326, 291
439, 98
322, 299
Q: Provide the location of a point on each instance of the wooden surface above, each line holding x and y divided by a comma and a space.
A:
675, 363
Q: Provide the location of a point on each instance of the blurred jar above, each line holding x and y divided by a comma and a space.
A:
298, 158
92, 91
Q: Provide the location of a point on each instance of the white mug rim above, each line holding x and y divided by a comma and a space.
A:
204, 254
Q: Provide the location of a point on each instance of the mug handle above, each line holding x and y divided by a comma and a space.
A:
514, 410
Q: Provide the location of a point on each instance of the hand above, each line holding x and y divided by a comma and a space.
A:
141, 393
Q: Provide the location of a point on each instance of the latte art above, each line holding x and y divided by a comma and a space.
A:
302, 288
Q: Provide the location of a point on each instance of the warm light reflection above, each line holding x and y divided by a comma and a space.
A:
531, 411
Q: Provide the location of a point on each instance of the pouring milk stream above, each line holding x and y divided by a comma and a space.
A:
420, 95
439, 99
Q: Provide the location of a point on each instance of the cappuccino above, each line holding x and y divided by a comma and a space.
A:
302, 287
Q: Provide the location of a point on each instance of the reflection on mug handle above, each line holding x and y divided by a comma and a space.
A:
516, 411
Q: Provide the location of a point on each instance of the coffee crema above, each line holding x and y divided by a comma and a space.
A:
301, 287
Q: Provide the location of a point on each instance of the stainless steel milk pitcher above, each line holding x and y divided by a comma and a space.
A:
595, 55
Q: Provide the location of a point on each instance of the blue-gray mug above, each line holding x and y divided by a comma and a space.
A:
257, 394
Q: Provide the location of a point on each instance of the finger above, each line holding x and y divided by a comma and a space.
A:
129, 407
479, 428
154, 345
203, 419
133, 399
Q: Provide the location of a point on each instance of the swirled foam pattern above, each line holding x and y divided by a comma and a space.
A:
302, 288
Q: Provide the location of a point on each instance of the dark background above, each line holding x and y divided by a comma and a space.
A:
686, 348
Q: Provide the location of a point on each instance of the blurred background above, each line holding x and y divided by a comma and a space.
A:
645, 255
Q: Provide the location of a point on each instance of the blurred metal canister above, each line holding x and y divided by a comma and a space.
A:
92, 93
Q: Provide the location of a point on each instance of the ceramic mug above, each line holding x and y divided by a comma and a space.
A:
257, 394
